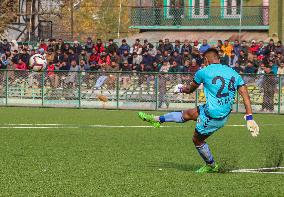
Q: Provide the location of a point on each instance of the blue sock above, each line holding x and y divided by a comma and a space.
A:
205, 153
172, 117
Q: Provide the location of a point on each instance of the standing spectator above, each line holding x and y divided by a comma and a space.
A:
112, 47
72, 77
186, 47
268, 84
204, 47
168, 46
162, 88
227, 48
124, 47
99, 46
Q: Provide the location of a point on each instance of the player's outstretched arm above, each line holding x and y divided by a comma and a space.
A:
186, 89
251, 124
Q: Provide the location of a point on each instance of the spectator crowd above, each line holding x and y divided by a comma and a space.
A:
245, 57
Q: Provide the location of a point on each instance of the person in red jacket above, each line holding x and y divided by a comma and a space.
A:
254, 47
43, 45
94, 57
99, 46
21, 65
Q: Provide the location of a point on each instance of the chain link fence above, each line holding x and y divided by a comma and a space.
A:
126, 90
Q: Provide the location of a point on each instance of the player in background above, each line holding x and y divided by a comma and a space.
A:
220, 85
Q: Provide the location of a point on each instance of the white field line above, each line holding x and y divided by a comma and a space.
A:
76, 126
259, 170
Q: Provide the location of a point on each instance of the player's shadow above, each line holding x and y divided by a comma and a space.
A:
173, 165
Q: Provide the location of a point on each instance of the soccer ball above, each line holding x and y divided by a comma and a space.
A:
38, 62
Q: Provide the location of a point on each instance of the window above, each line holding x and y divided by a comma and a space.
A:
199, 8
231, 8
173, 8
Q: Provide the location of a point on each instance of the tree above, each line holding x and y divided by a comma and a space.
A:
8, 14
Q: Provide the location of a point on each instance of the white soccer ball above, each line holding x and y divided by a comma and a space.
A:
38, 62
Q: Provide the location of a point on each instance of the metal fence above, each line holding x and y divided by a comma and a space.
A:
206, 17
147, 91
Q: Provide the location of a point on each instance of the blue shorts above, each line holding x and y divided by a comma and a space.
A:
206, 125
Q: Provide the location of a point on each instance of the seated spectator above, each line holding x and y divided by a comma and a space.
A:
261, 52
227, 48
126, 75
137, 47
94, 57
270, 47
244, 47
168, 46
237, 48
254, 47
177, 58
25, 56
174, 67
147, 59
186, 56
89, 46
224, 59
124, 47
238, 68
21, 65
99, 46
242, 60
104, 60
152, 51
204, 47
72, 57
52, 76
50, 56
72, 77
279, 48
161, 46
186, 47
274, 67
43, 45
250, 69
136, 61
77, 48
194, 67
219, 45
233, 59
177, 47
112, 47
165, 67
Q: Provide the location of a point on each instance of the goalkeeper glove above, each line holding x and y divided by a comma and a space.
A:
178, 88
252, 125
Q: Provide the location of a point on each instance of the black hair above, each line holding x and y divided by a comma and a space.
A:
211, 50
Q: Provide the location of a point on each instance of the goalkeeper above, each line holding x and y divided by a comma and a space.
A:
220, 85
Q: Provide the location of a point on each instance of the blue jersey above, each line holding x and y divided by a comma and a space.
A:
220, 84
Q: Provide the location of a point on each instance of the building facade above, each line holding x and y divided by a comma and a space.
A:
210, 15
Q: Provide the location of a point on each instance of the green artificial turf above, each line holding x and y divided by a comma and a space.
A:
117, 161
